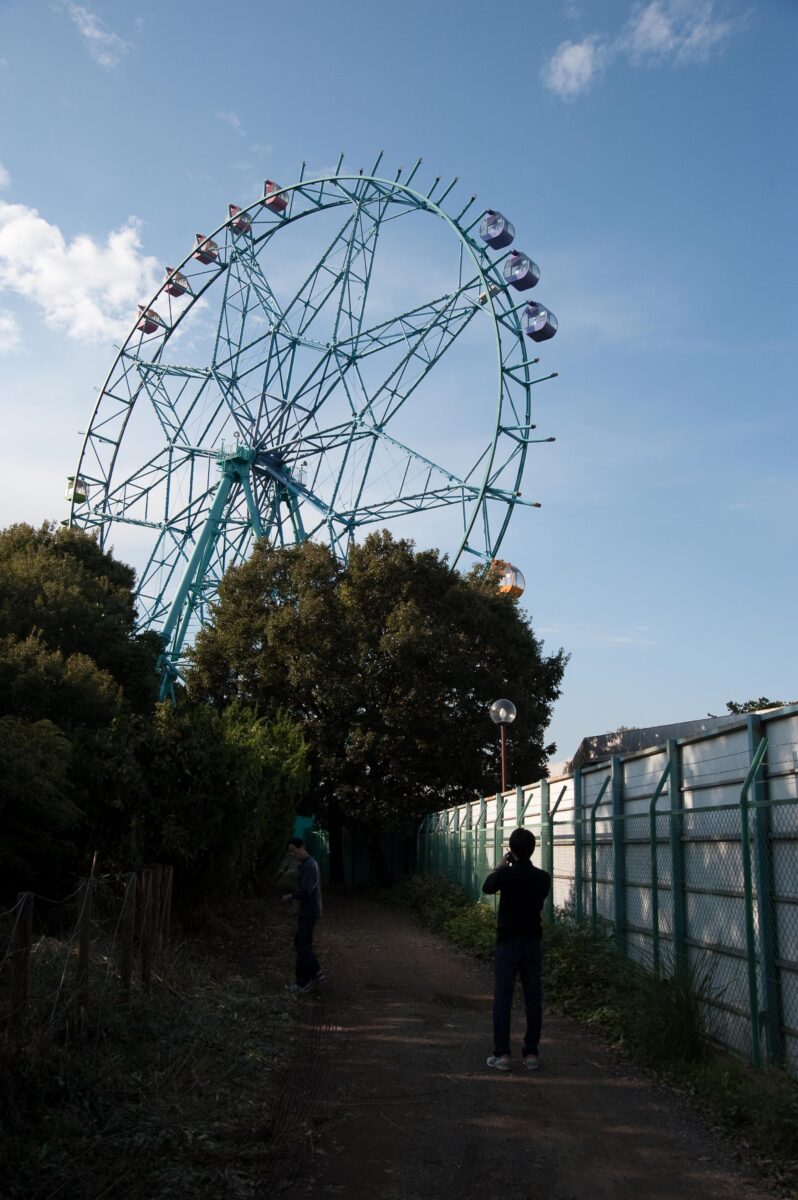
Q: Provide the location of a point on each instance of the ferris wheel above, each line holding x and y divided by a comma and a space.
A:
285, 382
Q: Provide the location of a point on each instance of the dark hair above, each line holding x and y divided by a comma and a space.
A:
296, 841
522, 843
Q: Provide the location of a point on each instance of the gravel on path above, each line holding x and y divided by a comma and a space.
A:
388, 1096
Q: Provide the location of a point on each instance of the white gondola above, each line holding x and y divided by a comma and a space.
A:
77, 489
539, 324
520, 272
495, 230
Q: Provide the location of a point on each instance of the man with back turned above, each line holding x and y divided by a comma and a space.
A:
522, 890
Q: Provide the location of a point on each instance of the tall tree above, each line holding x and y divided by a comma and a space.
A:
390, 664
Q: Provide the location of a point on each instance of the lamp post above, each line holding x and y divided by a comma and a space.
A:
502, 713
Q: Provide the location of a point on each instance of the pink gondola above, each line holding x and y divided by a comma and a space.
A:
277, 204
207, 251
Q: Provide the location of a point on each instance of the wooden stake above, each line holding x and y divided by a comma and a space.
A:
19, 959
84, 944
128, 932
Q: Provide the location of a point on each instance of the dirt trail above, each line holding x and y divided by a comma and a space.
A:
389, 1097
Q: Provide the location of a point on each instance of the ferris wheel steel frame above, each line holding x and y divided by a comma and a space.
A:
261, 491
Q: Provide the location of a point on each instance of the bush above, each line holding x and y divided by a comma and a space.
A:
661, 1022
446, 908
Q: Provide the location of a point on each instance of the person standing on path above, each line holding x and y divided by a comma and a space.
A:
308, 893
522, 889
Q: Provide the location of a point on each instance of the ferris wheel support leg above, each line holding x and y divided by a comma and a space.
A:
173, 636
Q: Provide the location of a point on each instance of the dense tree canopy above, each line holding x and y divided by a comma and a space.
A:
390, 664
89, 762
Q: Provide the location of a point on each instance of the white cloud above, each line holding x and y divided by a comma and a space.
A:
10, 332
675, 32
106, 47
87, 288
5, 178
573, 67
233, 120
679, 31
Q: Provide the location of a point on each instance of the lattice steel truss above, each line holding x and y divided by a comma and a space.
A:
295, 425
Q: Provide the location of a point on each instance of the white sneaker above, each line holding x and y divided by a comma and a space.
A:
499, 1062
531, 1062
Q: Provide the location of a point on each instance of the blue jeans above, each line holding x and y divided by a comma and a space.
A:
519, 956
307, 965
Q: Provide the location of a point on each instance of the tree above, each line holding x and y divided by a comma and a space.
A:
750, 706
221, 795
38, 817
390, 665
59, 586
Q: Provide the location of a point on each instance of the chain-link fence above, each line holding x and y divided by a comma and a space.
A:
687, 855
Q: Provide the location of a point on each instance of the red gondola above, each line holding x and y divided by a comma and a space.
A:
240, 222
277, 204
176, 283
207, 251
149, 321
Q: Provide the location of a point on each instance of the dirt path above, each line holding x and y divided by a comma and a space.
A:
388, 1096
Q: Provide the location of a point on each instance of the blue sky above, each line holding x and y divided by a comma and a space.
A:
647, 155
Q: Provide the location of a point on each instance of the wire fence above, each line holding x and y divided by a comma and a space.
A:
64, 963
686, 855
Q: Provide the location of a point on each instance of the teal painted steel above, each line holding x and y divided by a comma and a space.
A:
579, 866
676, 834
767, 928
654, 846
618, 853
545, 825
750, 937
298, 381
593, 857
550, 857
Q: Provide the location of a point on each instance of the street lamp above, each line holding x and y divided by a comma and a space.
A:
502, 713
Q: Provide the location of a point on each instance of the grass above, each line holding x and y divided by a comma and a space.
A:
661, 1023
172, 1098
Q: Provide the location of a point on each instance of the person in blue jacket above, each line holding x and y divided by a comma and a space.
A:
308, 894
522, 889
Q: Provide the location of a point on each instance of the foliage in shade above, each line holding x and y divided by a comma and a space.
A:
89, 762
390, 664
222, 795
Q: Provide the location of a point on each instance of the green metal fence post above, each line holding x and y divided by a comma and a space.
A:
678, 884
519, 806
468, 869
579, 872
550, 864
457, 841
545, 799
481, 842
750, 937
652, 836
420, 854
593, 893
498, 829
766, 900
618, 854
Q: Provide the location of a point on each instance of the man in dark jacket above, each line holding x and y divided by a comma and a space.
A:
522, 889
308, 894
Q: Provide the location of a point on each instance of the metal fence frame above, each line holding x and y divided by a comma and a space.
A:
685, 854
